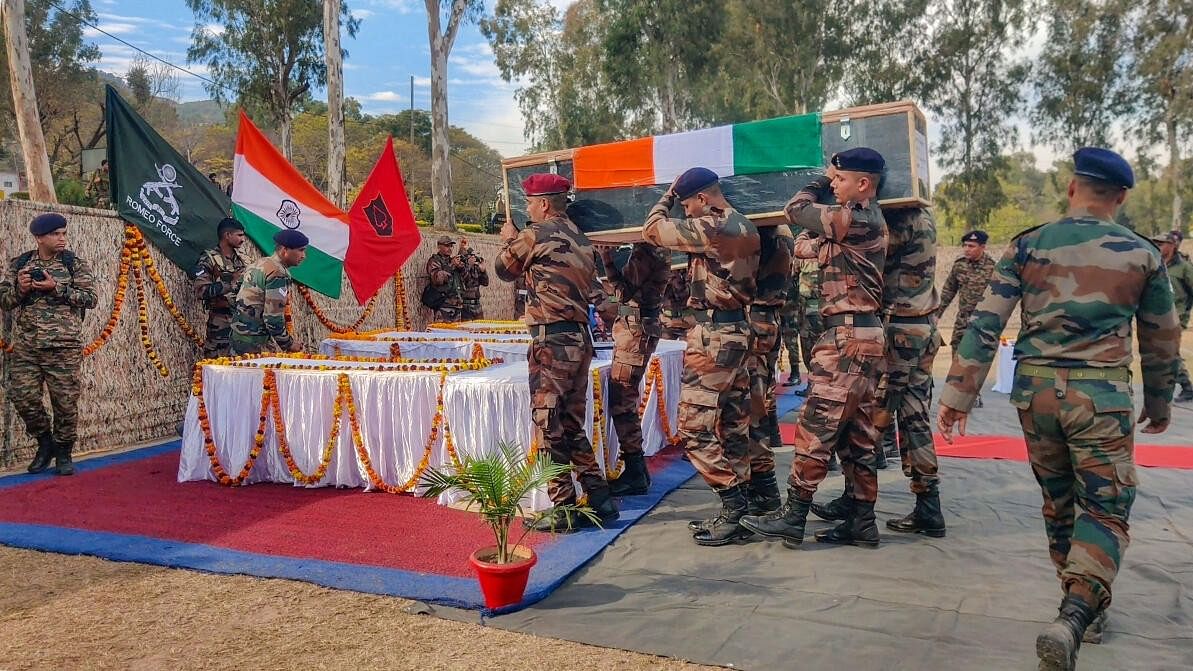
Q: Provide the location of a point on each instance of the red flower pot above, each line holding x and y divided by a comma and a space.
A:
503, 584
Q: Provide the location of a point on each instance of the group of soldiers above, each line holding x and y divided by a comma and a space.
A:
454, 282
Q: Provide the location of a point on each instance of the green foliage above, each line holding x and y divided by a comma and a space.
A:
71, 192
495, 486
471, 228
19, 195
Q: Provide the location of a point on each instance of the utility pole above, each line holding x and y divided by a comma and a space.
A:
335, 101
24, 102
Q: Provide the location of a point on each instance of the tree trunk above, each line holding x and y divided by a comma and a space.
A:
285, 125
335, 101
1174, 166
24, 102
441, 168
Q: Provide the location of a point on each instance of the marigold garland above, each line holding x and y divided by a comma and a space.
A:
395, 351
5, 347
279, 430
326, 321
654, 382
498, 330
375, 336
160, 285
401, 311
288, 316
424, 463
599, 428
143, 317
221, 475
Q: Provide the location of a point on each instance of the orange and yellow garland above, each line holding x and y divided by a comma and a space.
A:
221, 475
515, 328
654, 382
326, 321
401, 312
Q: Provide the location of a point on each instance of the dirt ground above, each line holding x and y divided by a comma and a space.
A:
62, 612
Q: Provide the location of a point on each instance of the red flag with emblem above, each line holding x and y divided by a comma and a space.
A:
383, 232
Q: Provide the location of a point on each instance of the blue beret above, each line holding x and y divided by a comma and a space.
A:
1103, 165
979, 237
860, 159
228, 224
291, 239
693, 181
47, 223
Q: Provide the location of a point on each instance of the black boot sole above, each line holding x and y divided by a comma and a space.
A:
61, 471
1053, 654
765, 534
934, 533
43, 469
869, 545
737, 536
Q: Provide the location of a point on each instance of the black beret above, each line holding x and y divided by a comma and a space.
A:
693, 181
228, 224
1104, 166
979, 237
291, 239
860, 159
47, 223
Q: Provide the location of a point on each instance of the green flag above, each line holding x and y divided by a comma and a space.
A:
158, 190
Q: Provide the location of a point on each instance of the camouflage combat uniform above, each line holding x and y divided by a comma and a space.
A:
217, 280
440, 273
967, 282
775, 264
47, 344
1073, 381
99, 190
638, 288
1180, 273
677, 316
259, 313
910, 302
472, 278
850, 242
789, 326
560, 269
520, 293
811, 324
714, 404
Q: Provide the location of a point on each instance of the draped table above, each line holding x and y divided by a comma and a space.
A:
453, 345
1005, 377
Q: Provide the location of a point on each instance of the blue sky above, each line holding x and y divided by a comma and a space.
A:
389, 48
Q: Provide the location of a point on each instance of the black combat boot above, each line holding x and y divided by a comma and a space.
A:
1058, 644
726, 528
557, 521
62, 459
763, 492
634, 479
858, 529
890, 442
837, 509
1186, 394
926, 518
1093, 633
45, 452
880, 458
786, 523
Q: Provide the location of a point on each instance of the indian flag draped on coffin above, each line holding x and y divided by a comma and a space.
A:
269, 194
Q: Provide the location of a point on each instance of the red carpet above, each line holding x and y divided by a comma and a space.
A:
1014, 449
142, 498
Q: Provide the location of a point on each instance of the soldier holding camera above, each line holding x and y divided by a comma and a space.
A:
49, 288
473, 276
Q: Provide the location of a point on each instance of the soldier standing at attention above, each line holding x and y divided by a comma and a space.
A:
217, 279
473, 276
1080, 282
50, 288
259, 314
967, 282
443, 273
1180, 273
677, 316
560, 268
850, 241
789, 328
714, 403
638, 290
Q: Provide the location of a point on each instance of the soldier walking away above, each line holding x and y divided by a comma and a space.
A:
677, 316
638, 290
443, 291
1073, 381
714, 403
850, 242
50, 288
259, 313
789, 328
99, 190
560, 268
1180, 274
473, 276
217, 280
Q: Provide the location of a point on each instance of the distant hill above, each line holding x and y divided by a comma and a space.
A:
201, 112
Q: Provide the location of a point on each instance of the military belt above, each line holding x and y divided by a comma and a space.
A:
923, 319
720, 316
1121, 374
764, 308
540, 330
640, 312
852, 319
677, 314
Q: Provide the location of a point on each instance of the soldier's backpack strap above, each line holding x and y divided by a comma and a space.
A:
68, 260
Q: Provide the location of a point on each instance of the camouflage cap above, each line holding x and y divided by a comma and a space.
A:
446, 240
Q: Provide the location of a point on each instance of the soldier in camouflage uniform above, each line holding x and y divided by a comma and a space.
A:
1080, 282
443, 273
50, 288
560, 269
473, 276
677, 316
1180, 273
714, 403
217, 280
99, 189
808, 311
789, 328
967, 282
638, 289
850, 241
520, 293
259, 314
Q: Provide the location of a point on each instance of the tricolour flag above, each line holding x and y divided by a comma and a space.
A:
269, 195
771, 145
384, 233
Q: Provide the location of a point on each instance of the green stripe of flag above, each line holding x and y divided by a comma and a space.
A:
319, 271
776, 145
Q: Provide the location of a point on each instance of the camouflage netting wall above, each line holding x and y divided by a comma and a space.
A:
125, 400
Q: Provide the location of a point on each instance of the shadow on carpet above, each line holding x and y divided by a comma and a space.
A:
129, 507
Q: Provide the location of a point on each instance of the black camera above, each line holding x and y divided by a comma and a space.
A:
37, 275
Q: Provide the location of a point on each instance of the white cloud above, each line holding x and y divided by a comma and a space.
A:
214, 29
383, 96
363, 13
110, 28
142, 23
400, 6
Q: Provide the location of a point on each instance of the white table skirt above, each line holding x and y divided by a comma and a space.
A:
443, 345
1005, 379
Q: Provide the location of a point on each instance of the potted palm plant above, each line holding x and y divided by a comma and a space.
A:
494, 486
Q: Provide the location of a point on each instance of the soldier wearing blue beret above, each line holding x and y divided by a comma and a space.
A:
260, 307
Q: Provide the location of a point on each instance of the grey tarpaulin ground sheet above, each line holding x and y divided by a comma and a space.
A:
973, 600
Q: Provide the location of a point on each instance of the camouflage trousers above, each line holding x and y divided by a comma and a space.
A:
764, 420
634, 341
1182, 375
714, 403
559, 381
58, 369
959, 325
789, 331
910, 351
811, 328
473, 310
839, 413
676, 328
449, 313
1081, 442
218, 341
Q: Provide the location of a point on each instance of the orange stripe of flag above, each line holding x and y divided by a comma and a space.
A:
603, 166
262, 155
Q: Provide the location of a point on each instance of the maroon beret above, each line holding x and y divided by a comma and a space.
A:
545, 184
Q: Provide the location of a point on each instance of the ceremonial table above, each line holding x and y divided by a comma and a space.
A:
1005, 377
452, 344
